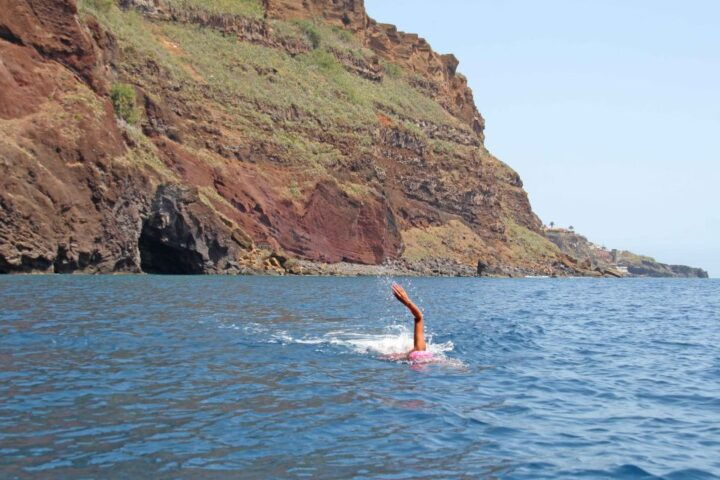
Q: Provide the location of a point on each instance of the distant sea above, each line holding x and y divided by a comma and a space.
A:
148, 377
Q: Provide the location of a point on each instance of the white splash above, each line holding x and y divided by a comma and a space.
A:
392, 343
395, 340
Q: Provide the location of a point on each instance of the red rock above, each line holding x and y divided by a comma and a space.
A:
76, 193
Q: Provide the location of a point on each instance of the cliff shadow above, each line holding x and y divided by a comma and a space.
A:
167, 241
158, 256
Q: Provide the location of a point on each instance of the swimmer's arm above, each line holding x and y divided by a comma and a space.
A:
419, 333
403, 297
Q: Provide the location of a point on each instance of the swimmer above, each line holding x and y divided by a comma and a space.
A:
419, 353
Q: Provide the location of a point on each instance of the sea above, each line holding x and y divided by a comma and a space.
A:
205, 377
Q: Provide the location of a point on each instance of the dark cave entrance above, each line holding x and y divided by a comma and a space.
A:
159, 255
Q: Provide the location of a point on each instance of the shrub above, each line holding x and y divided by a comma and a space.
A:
344, 35
324, 61
392, 70
123, 100
312, 33
294, 190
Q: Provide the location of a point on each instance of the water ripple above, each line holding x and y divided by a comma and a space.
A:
205, 377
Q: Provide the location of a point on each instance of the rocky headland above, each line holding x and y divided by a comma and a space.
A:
255, 136
618, 262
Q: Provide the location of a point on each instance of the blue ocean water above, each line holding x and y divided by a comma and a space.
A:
259, 377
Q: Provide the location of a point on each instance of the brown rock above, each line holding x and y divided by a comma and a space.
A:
348, 14
65, 205
52, 28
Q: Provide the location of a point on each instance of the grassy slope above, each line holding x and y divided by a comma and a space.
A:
314, 81
220, 73
454, 240
529, 246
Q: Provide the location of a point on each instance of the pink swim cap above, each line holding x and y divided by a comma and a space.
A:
420, 356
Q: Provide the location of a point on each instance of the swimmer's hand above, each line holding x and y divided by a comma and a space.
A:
401, 294
403, 298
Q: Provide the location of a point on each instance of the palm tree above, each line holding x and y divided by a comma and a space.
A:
552, 224
571, 228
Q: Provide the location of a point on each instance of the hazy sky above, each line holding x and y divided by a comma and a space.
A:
609, 110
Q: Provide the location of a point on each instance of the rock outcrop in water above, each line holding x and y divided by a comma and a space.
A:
273, 136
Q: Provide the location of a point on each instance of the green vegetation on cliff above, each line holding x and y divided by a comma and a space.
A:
123, 99
314, 81
306, 105
526, 244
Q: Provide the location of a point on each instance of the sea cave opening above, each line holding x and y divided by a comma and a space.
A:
158, 255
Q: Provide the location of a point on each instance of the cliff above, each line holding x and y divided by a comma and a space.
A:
193, 136
622, 262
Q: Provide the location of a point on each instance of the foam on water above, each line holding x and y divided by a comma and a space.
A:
392, 341
391, 344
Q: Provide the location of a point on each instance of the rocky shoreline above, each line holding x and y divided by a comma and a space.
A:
432, 269
277, 264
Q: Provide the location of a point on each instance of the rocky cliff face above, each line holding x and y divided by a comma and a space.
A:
438, 76
617, 262
193, 136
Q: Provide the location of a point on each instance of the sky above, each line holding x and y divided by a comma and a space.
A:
609, 110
